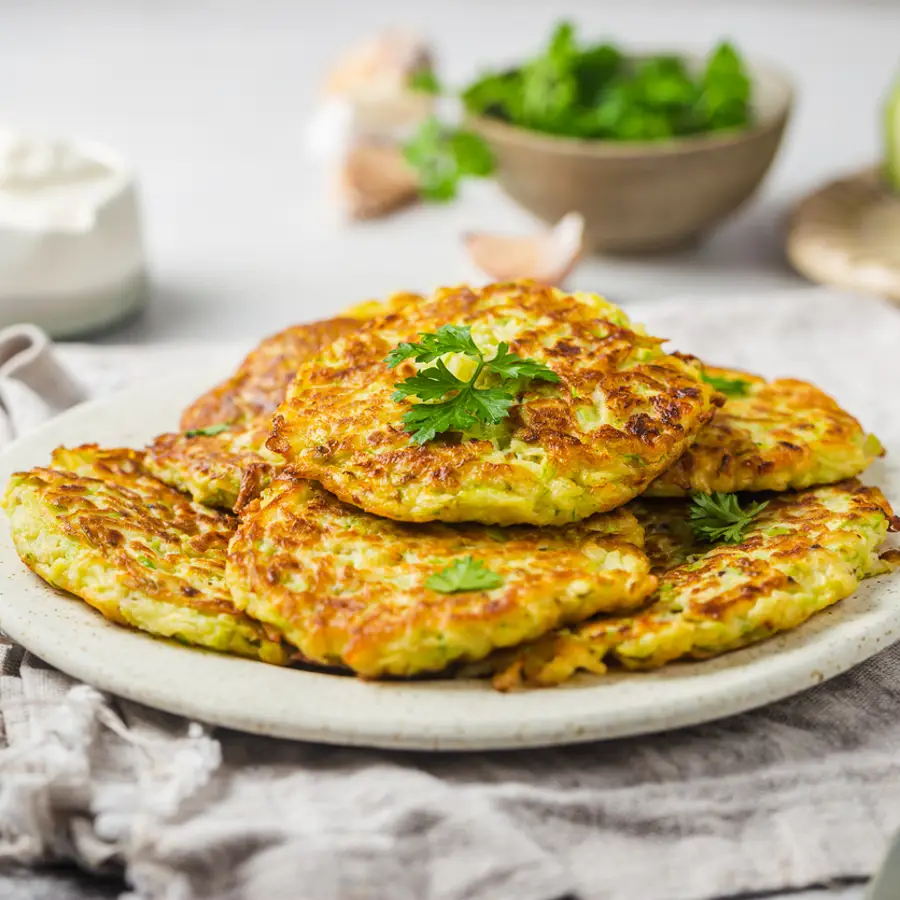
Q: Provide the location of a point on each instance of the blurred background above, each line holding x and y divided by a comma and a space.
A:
210, 102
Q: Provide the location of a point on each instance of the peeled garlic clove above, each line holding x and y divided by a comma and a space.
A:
383, 64
547, 258
375, 179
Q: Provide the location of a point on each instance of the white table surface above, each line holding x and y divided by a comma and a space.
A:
210, 99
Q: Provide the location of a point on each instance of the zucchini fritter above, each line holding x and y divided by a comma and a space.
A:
97, 525
802, 554
258, 385
779, 435
229, 468
770, 436
224, 470
622, 412
262, 378
349, 588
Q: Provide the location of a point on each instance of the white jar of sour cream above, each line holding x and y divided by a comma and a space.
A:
71, 252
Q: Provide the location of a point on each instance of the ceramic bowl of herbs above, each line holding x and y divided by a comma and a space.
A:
653, 150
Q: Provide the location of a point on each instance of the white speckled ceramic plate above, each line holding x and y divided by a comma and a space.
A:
427, 715
847, 233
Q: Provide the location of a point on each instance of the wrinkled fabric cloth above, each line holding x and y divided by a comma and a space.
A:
804, 792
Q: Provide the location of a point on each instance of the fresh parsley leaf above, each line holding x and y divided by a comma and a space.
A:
594, 91
562, 48
719, 518
725, 100
425, 81
429, 384
424, 421
466, 574
428, 154
594, 69
730, 387
489, 405
442, 156
473, 156
447, 339
469, 407
510, 365
549, 93
663, 83
462, 404
208, 430
495, 94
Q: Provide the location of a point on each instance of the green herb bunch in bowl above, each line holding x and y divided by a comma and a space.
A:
652, 149
598, 93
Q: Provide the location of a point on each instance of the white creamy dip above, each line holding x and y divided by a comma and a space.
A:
71, 254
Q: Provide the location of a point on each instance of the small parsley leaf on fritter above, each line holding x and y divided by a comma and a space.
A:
447, 339
510, 365
430, 384
466, 404
465, 574
425, 420
490, 405
718, 518
208, 430
730, 387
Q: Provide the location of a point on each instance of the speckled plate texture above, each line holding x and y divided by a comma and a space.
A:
426, 715
847, 233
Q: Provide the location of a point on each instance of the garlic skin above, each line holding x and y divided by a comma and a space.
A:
381, 65
368, 98
374, 179
548, 257
367, 114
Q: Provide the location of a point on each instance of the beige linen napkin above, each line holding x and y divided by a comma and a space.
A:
800, 793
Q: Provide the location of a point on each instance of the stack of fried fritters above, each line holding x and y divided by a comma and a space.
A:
551, 539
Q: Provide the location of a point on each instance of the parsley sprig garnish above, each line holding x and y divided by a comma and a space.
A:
466, 574
460, 404
730, 387
718, 518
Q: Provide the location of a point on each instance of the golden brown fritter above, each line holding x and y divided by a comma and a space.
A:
258, 385
97, 525
769, 436
622, 412
350, 588
228, 468
778, 435
803, 553
224, 470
